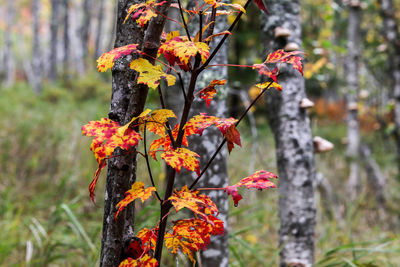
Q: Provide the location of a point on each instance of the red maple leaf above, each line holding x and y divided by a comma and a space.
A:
208, 92
227, 127
259, 180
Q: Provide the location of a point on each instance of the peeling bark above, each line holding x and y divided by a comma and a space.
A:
294, 146
351, 95
127, 100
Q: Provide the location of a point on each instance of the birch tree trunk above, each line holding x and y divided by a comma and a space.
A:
352, 72
127, 100
55, 9
66, 39
85, 27
294, 146
36, 57
9, 66
216, 176
392, 37
100, 18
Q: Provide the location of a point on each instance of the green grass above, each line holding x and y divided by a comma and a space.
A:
47, 218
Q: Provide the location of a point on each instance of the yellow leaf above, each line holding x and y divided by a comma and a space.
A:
150, 74
182, 157
137, 191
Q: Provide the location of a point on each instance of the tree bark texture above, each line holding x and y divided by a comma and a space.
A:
294, 146
217, 174
392, 37
36, 57
128, 99
55, 9
352, 74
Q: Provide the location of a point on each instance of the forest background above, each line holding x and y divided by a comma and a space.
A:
50, 87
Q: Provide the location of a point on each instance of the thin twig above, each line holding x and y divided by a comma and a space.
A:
146, 156
184, 21
224, 38
169, 131
182, 86
224, 141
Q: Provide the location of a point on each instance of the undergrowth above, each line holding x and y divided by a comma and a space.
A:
47, 218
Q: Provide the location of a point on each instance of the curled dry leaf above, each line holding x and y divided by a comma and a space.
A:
208, 92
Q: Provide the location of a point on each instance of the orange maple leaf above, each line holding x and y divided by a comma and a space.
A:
145, 261
108, 136
264, 85
106, 61
143, 12
280, 56
150, 74
137, 191
149, 239
227, 127
165, 142
180, 50
208, 92
264, 70
259, 180
191, 235
217, 3
154, 121
292, 58
182, 157
192, 200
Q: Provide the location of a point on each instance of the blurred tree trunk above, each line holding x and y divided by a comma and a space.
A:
392, 37
100, 18
113, 27
127, 100
36, 55
86, 24
8, 64
66, 42
217, 175
352, 73
55, 9
294, 146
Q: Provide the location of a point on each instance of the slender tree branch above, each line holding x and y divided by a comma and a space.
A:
201, 26
182, 86
215, 51
146, 156
184, 21
169, 131
213, 18
224, 141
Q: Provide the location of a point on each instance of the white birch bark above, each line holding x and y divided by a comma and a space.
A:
294, 147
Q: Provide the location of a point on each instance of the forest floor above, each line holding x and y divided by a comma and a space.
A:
47, 218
